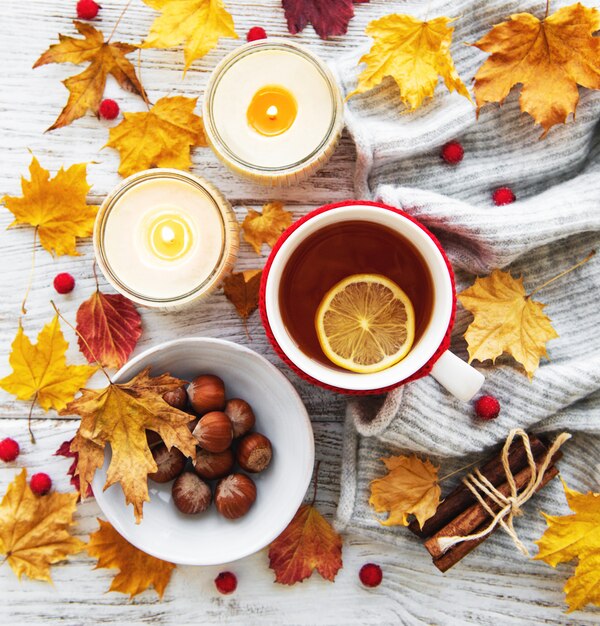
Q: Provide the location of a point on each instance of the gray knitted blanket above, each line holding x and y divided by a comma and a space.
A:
554, 223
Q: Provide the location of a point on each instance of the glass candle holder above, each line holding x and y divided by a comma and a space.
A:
273, 112
164, 238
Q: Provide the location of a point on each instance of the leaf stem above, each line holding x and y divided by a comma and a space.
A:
31, 435
95, 275
87, 345
316, 483
118, 21
567, 271
456, 471
31, 272
547, 9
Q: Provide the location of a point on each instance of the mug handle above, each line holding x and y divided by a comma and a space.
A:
457, 376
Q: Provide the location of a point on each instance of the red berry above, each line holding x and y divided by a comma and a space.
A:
87, 9
109, 109
487, 408
255, 33
452, 152
370, 575
40, 484
226, 582
9, 450
64, 283
503, 195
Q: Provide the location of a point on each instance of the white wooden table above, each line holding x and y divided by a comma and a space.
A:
29, 103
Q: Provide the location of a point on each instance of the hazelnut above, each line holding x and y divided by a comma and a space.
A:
235, 495
207, 393
193, 423
254, 453
211, 465
191, 494
170, 463
153, 438
177, 398
241, 415
214, 432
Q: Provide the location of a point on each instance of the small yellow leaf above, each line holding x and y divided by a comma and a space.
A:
137, 570
414, 53
266, 227
409, 487
576, 536
40, 371
548, 57
506, 320
35, 531
55, 206
119, 415
161, 137
197, 23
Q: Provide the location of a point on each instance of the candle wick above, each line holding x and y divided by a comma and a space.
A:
167, 234
272, 112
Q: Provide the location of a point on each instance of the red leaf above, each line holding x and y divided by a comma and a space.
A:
308, 543
328, 17
65, 450
111, 327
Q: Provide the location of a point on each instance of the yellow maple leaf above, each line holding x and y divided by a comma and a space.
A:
55, 206
266, 227
506, 319
137, 570
160, 137
35, 530
576, 536
548, 57
41, 372
410, 487
197, 23
414, 53
87, 88
119, 415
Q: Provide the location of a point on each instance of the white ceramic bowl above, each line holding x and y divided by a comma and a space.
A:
209, 539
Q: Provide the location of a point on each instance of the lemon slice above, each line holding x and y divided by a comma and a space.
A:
365, 323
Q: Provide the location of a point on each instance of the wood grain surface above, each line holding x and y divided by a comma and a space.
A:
30, 100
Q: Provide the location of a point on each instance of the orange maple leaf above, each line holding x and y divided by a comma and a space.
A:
87, 88
308, 543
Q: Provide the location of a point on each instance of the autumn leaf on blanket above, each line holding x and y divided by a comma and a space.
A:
414, 53
266, 227
308, 543
65, 450
41, 372
108, 326
119, 415
35, 531
329, 19
576, 536
87, 88
138, 571
56, 207
410, 487
160, 137
506, 319
198, 24
548, 57
242, 290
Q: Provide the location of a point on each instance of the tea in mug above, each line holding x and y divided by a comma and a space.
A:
335, 262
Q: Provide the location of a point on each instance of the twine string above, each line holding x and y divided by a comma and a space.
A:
510, 505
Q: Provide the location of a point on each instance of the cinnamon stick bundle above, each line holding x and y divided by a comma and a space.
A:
461, 498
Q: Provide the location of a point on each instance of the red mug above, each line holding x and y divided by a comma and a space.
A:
429, 354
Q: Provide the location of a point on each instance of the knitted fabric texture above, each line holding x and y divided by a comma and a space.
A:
554, 223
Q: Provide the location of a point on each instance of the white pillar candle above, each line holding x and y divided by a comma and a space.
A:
164, 238
273, 112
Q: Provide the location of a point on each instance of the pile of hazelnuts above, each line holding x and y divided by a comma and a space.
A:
223, 430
